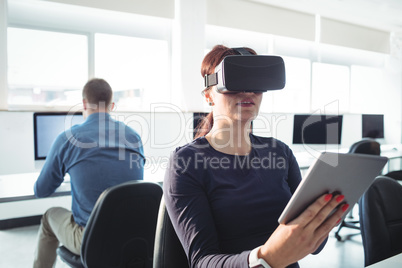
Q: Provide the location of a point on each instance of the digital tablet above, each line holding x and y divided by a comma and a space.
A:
348, 174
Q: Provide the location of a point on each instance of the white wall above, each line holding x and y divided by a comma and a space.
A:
16, 142
252, 16
161, 133
3, 53
280, 126
162, 130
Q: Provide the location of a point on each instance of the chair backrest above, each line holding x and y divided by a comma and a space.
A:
366, 146
168, 251
381, 220
121, 229
396, 175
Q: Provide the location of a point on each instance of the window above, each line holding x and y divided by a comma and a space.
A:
136, 68
295, 97
330, 88
367, 90
46, 67
51, 56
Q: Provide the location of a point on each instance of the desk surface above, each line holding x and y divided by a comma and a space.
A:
18, 187
392, 262
305, 159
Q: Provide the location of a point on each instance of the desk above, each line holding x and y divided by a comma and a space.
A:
392, 262
393, 164
19, 206
305, 159
18, 187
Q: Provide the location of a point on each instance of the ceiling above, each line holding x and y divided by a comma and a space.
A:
379, 14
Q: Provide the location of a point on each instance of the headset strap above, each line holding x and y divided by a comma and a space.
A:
241, 51
212, 79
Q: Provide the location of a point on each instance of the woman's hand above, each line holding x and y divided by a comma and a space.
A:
293, 241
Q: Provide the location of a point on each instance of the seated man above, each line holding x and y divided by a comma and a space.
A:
98, 154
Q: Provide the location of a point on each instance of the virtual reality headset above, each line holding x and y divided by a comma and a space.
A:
247, 73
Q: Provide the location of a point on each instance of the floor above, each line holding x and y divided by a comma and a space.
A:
17, 247
347, 253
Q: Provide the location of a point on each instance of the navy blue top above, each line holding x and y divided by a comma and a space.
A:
98, 154
222, 206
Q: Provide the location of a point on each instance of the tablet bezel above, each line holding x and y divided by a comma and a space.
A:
348, 174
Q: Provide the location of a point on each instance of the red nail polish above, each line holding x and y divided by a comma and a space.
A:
340, 198
345, 207
328, 197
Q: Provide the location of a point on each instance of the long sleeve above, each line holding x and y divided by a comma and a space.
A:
223, 206
52, 173
294, 175
97, 154
293, 181
188, 205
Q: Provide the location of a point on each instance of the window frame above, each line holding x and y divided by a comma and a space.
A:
156, 28
296, 48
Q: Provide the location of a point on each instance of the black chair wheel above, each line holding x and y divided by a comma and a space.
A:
338, 237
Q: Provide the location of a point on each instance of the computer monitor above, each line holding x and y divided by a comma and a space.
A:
373, 126
317, 129
47, 126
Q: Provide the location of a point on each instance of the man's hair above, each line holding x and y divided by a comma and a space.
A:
97, 91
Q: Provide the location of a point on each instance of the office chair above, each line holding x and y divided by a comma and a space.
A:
365, 146
69, 258
168, 250
380, 210
396, 175
121, 228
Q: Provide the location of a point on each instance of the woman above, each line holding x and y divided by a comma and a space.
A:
225, 191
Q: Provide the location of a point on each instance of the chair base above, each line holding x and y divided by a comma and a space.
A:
348, 224
69, 258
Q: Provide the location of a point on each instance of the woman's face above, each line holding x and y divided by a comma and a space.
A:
235, 106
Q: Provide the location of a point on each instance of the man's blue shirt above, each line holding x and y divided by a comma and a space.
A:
98, 154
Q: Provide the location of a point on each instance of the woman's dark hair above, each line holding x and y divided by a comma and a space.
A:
211, 60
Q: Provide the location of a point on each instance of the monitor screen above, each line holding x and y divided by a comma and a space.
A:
47, 126
317, 129
373, 126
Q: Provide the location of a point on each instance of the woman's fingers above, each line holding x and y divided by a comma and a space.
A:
311, 211
304, 234
333, 220
318, 212
326, 211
